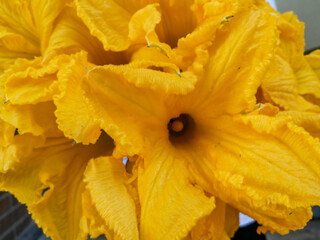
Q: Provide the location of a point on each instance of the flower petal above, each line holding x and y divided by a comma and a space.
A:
71, 35
110, 22
281, 85
28, 24
170, 203
37, 119
106, 182
230, 81
288, 164
219, 225
32, 81
50, 181
310, 121
292, 50
72, 102
127, 113
314, 61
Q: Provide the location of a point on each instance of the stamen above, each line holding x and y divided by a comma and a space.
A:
181, 129
177, 126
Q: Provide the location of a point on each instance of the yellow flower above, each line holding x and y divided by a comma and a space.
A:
208, 152
174, 83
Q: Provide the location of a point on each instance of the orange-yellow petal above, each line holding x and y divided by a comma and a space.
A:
266, 167
230, 82
32, 81
72, 102
49, 180
171, 204
71, 35
37, 119
281, 85
110, 22
126, 112
219, 225
106, 181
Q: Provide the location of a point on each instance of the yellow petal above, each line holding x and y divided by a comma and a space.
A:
310, 121
91, 220
170, 203
281, 85
70, 35
109, 22
292, 50
37, 119
105, 178
179, 13
219, 225
13, 146
29, 23
72, 102
314, 61
126, 113
230, 81
266, 167
33, 82
143, 23
50, 181
210, 17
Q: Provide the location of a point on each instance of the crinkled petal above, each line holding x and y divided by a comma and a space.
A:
91, 220
281, 85
49, 180
314, 61
127, 113
230, 82
110, 22
71, 35
170, 203
310, 121
37, 119
72, 102
106, 182
219, 225
26, 25
292, 50
14, 146
143, 23
266, 167
32, 81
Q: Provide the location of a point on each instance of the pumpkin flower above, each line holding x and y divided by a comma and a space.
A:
209, 153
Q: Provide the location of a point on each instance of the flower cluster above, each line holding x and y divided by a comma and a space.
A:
158, 119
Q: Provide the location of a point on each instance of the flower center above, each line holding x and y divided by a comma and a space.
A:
181, 129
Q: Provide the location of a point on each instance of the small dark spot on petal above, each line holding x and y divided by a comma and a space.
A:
44, 191
16, 132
